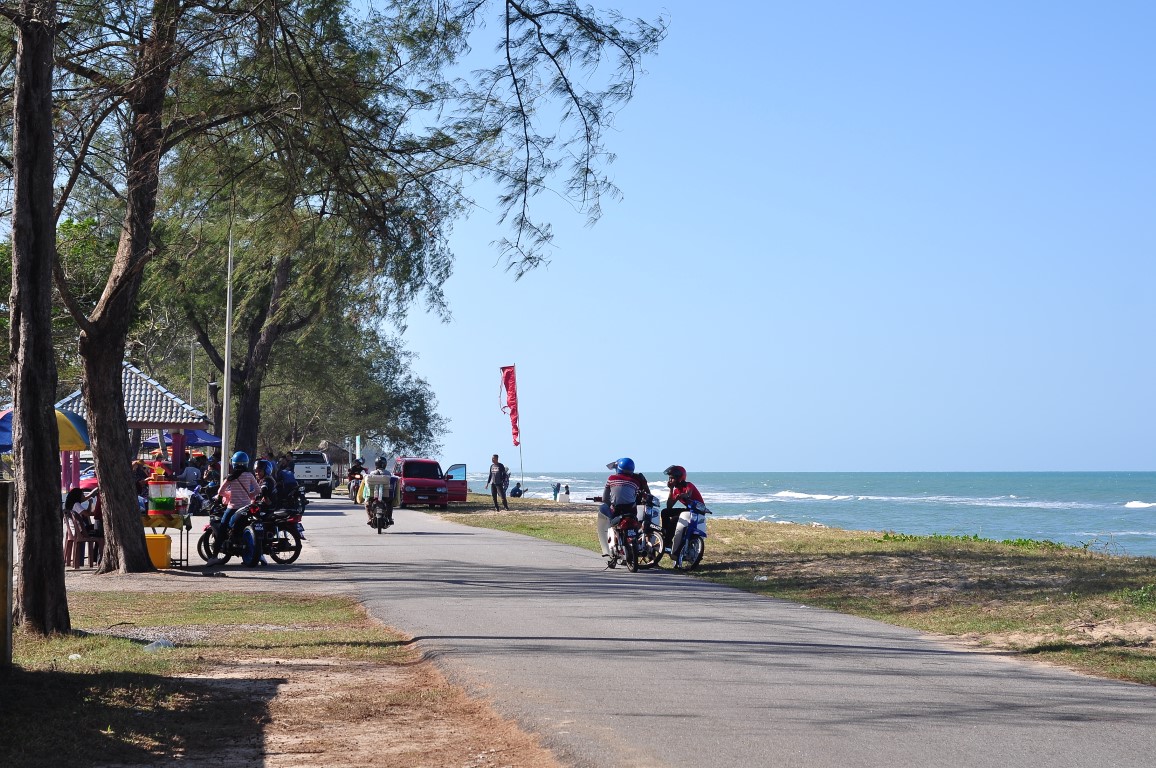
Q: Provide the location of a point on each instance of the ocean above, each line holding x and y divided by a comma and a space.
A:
1105, 511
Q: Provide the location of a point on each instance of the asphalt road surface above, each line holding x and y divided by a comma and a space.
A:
654, 668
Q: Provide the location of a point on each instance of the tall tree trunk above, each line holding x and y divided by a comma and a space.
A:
102, 342
124, 542
41, 599
265, 330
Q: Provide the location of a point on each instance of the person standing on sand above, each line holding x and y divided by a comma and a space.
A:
497, 481
555, 488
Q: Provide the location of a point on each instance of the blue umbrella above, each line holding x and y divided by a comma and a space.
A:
193, 438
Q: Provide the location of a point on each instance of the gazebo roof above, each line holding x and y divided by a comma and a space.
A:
147, 404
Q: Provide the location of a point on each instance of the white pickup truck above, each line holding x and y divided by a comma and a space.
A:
313, 472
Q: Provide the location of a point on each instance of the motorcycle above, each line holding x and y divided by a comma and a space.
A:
242, 543
381, 488
258, 530
689, 536
353, 480
276, 532
650, 542
636, 540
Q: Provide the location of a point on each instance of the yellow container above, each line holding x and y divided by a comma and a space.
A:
159, 544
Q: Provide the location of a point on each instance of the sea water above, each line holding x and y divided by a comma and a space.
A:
1104, 511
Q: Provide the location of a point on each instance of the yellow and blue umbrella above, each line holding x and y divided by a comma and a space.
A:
70, 426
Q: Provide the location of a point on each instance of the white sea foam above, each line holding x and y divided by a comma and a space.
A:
1140, 505
813, 496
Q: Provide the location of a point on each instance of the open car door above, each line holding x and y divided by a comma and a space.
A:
456, 482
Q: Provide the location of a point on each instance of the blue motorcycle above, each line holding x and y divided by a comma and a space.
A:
690, 537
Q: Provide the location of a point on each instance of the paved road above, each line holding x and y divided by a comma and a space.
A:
656, 669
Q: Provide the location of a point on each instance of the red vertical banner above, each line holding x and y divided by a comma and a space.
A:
510, 385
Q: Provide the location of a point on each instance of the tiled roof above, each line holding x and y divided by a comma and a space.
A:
147, 404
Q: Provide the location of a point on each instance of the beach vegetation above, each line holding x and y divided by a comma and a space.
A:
1144, 597
1086, 609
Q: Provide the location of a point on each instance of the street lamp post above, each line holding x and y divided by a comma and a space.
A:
228, 367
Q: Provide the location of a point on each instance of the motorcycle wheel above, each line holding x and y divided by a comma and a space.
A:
630, 555
205, 547
352, 490
250, 552
692, 552
286, 546
653, 547
379, 518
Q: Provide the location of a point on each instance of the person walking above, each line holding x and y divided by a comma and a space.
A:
497, 481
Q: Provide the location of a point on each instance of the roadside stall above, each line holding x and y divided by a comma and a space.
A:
149, 406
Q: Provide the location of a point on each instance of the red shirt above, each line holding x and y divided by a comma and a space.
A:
686, 489
620, 489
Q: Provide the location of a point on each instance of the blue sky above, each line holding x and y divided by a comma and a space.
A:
890, 236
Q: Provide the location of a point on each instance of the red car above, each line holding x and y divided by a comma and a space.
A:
421, 481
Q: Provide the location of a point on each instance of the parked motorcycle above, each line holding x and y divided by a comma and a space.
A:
689, 536
258, 529
276, 532
649, 544
642, 531
242, 543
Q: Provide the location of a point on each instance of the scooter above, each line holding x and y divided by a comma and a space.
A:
689, 536
636, 539
649, 544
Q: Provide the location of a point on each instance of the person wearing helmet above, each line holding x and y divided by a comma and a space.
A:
286, 480
266, 483
618, 498
238, 490
365, 492
682, 490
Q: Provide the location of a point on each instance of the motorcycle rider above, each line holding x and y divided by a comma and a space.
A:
266, 483
618, 498
286, 481
365, 493
238, 490
682, 490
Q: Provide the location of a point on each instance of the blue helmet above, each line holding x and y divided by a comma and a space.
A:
265, 466
625, 466
240, 459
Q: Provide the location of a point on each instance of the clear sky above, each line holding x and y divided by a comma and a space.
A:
854, 236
